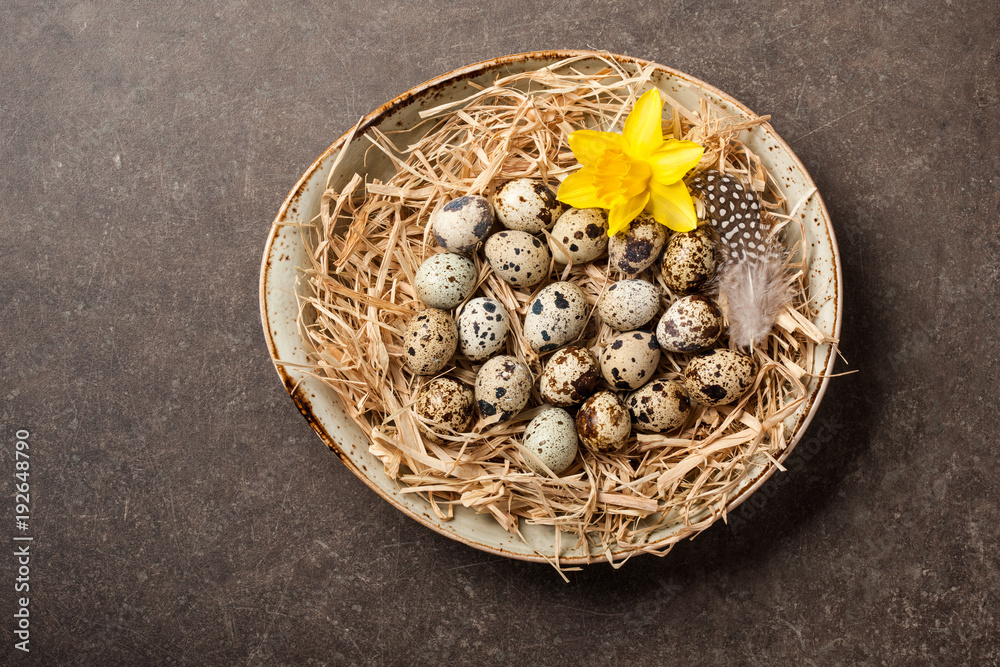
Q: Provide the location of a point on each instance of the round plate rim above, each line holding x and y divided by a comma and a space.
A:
304, 405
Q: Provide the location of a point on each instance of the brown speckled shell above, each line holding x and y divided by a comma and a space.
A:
639, 246
526, 205
689, 261
629, 304
629, 359
463, 223
660, 406
482, 328
584, 234
719, 377
692, 324
555, 316
429, 341
570, 376
518, 258
445, 280
603, 423
503, 386
446, 403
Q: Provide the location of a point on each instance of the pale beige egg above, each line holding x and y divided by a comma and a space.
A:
629, 359
550, 438
555, 316
518, 258
526, 205
580, 235
719, 377
503, 387
429, 341
658, 407
629, 304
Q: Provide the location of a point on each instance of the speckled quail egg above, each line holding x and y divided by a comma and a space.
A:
658, 407
503, 386
629, 304
445, 280
638, 247
689, 261
518, 258
629, 359
526, 205
482, 328
571, 375
582, 232
462, 223
603, 423
447, 404
555, 316
551, 438
719, 376
691, 324
429, 341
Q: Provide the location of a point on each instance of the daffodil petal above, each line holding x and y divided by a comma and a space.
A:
643, 134
673, 159
671, 205
578, 190
625, 211
589, 145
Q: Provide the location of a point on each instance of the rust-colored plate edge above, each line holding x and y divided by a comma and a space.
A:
305, 406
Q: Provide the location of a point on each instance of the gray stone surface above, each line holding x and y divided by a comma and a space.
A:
184, 513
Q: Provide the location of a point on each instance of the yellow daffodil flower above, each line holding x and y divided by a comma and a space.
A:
626, 173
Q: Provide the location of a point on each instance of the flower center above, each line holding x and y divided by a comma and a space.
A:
618, 176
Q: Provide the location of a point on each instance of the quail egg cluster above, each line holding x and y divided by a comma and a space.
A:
593, 368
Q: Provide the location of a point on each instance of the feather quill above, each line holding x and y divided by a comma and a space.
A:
751, 281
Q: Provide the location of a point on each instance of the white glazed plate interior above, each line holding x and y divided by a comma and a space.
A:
284, 254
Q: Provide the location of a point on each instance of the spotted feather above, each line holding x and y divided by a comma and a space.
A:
734, 212
752, 280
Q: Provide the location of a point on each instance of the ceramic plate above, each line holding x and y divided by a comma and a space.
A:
284, 253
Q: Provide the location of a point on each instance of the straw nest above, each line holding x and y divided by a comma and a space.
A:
371, 237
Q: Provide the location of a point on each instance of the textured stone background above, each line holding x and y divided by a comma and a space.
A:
185, 513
